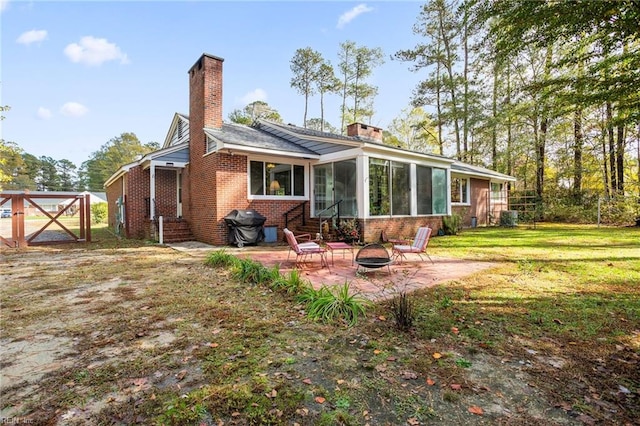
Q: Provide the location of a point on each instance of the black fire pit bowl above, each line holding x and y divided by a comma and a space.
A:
373, 256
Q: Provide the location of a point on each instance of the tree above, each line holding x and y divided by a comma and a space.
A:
356, 65
119, 151
320, 125
413, 130
253, 111
326, 82
48, 178
67, 175
437, 24
10, 161
305, 66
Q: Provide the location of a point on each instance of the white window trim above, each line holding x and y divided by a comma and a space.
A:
267, 159
468, 191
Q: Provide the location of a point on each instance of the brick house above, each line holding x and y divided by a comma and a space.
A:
291, 175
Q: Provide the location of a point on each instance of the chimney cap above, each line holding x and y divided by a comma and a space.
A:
207, 55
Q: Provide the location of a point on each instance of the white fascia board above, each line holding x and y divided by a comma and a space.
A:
165, 164
172, 129
391, 153
341, 155
121, 171
248, 150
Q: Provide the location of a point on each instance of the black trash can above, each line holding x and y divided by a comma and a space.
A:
245, 227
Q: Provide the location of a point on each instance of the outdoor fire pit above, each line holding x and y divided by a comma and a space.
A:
373, 256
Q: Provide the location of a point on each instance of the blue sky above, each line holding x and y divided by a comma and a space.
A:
77, 74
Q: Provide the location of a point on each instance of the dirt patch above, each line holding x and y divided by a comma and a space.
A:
127, 335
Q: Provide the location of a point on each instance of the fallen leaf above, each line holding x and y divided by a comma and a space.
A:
213, 345
430, 381
306, 381
474, 409
271, 394
456, 386
17, 309
320, 400
377, 351
382, 318
413, 421
455, 330
340, 381
391, 358
181, 375
408, 375
557, 321
437, 355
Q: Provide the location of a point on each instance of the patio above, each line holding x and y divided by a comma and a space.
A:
375, 284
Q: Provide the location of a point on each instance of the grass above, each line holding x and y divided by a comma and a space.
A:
561, 307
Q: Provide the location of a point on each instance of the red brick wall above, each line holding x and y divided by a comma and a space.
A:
166, 193
114, 191
479, 197
405, 227
137, 191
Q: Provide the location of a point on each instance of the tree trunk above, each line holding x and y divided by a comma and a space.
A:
439, 105
620, 147
605, 163
449, 67
612, 149
465, 102
577, 155
494, 116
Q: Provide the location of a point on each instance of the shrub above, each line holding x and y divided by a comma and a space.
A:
328, 306
452, 224
221, 259
99, 212
402, 310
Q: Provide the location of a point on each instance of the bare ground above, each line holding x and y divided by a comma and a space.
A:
116, 336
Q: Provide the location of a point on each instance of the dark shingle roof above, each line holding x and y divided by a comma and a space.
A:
237, 134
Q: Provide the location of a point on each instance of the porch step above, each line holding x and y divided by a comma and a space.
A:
176, 231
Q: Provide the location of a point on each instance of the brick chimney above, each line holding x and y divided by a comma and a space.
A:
364, 130
205, 99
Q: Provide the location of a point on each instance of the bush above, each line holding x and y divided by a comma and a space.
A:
221, 259
452, 224
402, 310
328, 306
99, 212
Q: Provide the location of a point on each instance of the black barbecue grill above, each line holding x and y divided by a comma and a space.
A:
245, 227
373, 256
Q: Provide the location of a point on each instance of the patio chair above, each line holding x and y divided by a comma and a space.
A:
302, 250
303, 240
419, 246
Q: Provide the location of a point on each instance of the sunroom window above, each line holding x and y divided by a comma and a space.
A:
276, 179
431, 188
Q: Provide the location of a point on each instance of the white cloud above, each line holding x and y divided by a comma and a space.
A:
254, 95
44, 113
3, 5
352, 14
32, 36
73, 109
94, 51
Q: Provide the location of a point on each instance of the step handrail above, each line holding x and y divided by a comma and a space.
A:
291, 210
337, 213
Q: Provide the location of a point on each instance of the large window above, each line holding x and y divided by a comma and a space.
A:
459, 190
431, 188
276, 179
379, 202
389, 187
335, 182
400, 188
